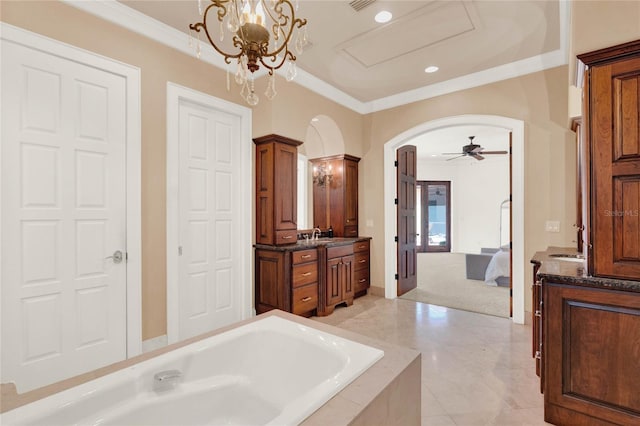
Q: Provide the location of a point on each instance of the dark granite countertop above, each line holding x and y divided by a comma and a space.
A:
321, 242
573, 271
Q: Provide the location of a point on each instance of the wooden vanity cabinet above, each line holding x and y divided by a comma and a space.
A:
335, 204
286, 280
592, 355
276, 190
338, 284
362, 268
537, 322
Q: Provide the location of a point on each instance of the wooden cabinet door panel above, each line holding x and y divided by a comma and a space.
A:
347, 277
592, 343
615, 156
285, 190
333, 288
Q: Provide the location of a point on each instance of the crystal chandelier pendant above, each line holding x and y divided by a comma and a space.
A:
253, 99
299, 44
291, 71
240, 74
271, 93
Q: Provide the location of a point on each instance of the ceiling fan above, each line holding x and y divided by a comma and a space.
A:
472, 150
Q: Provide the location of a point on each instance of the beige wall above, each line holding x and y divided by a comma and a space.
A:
599, 24
540, 101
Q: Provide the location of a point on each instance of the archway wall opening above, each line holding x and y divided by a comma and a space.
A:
535, 106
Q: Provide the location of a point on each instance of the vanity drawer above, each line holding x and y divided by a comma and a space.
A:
362, 281
304, 274
351, 231
333, 252
304, 256
361, 246
305, 299
287, 237
361, 261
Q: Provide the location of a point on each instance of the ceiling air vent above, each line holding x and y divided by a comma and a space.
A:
358, 5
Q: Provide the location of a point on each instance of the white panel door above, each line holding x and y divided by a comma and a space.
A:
208, 214
63, 214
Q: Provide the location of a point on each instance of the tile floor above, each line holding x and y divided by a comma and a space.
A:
476, 369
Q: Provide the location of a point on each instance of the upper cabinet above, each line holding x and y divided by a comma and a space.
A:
612, 136
335, 194
276, 190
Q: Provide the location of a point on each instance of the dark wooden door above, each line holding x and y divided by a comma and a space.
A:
406, 179
615, 164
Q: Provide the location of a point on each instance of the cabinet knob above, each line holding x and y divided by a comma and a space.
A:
362, 260
362, 280
305, 299
306, 274
538, 355
305, 256
287, 237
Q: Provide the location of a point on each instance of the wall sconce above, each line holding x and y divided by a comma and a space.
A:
322, 176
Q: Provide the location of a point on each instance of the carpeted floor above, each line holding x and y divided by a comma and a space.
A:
442, 281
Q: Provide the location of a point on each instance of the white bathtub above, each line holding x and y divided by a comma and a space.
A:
271, 371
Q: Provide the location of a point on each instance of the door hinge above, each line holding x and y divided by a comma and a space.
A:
395, 238
126, 256
510, 292
395, 163
397, 277
179, 250
395, 201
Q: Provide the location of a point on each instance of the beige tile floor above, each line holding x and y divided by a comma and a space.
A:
476, 369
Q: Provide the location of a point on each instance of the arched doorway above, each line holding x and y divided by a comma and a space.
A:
517, 129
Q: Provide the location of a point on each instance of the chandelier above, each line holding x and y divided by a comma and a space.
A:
253, 33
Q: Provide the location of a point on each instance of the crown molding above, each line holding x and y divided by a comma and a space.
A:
124, 16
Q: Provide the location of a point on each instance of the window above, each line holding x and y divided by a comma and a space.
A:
433, 216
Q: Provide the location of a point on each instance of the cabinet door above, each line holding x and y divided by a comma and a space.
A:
347, 277
591, 363
351, 193
271, 282
615, 149
285, 187
334, 289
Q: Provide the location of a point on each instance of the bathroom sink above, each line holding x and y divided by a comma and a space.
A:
567, 256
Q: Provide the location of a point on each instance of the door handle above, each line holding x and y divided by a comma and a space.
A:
117, 256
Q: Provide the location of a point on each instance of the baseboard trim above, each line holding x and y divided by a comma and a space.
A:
376, 291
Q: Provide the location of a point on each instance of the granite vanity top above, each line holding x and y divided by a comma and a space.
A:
572, 270
304, 245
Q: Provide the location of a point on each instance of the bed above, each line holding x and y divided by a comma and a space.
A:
499, 268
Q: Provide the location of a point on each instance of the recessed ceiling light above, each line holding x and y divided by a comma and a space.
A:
431, 69
384, 16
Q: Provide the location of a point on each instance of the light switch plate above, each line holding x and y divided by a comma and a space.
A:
552, 226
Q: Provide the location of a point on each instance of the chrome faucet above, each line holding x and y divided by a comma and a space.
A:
315, 236
166, 380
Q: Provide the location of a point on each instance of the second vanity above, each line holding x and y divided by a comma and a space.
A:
311, 277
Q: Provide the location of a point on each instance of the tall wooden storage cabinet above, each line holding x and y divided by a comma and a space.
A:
612, 114
335, 204
276, 190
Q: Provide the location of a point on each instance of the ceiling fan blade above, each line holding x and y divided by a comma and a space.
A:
453, 158
494, 152
477, 149
478, 157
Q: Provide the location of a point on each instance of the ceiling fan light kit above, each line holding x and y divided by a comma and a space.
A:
473, 150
